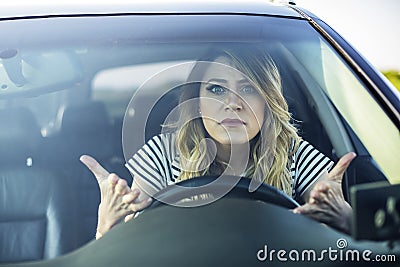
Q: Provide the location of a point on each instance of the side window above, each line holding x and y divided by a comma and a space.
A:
332, 86
377, 132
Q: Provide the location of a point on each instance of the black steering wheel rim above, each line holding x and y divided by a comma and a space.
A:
196, 186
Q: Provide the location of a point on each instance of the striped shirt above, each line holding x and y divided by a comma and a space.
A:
157, 165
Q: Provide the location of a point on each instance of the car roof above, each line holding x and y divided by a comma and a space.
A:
65, 8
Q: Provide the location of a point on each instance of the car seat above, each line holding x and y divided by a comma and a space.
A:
85, 129
37, 207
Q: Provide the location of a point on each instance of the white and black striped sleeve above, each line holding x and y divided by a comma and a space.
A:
150, 165
309, 165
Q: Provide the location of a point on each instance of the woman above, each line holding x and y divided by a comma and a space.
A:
233, 119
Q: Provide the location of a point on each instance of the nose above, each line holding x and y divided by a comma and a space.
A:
233, 102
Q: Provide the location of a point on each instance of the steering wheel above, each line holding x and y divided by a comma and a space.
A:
198, 186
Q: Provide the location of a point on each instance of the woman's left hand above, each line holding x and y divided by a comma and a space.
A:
326, 202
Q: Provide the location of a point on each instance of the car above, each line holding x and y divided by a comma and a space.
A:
101, 79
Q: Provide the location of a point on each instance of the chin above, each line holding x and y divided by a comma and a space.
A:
234, 139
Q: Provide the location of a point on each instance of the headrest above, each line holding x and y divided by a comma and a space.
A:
19, 133
85, 119
161, 110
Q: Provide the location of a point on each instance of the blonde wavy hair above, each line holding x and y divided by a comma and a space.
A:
270, 151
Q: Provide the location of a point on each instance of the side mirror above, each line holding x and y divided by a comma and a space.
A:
376, 213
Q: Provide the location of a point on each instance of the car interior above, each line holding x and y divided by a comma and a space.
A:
53, 195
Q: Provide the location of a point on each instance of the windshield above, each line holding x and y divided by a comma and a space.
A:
49, 64
103, 85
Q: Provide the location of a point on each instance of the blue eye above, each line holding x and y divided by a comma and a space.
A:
248, 89
216, 89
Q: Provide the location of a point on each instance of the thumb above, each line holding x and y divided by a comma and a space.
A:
98, 170
336, 174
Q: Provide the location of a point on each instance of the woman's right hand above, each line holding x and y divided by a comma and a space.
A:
118, 201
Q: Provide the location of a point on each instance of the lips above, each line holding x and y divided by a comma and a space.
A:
232, 122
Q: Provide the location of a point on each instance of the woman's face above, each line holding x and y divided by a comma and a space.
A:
232, 110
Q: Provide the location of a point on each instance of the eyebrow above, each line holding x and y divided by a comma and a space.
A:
218, 80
